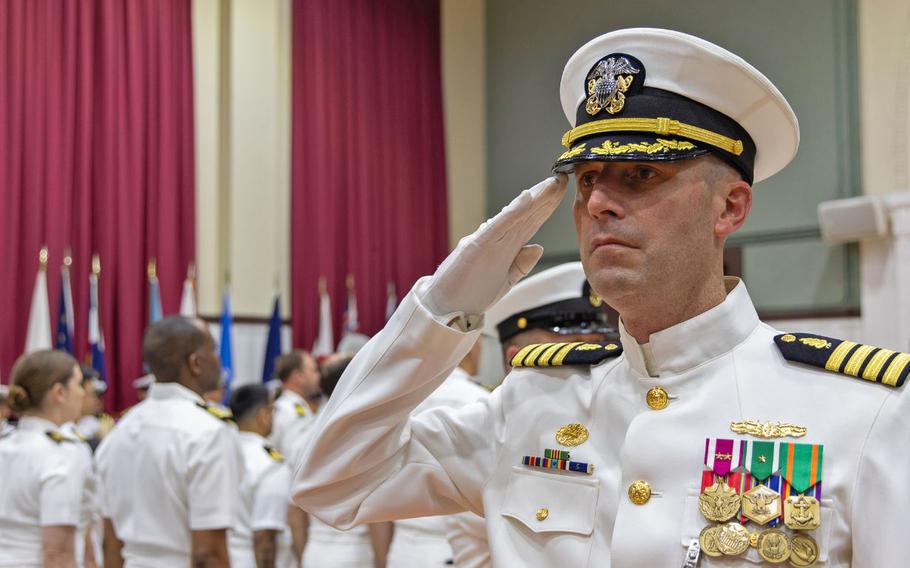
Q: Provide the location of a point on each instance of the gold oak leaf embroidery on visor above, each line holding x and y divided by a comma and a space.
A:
573, 152
610, 148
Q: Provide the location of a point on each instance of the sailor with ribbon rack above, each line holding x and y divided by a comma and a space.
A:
764, 495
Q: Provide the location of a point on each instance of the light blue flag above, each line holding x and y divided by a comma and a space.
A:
155, 312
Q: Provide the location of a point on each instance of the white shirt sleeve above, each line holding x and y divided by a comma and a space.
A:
62, 483
214, 472
368, 460
271, 499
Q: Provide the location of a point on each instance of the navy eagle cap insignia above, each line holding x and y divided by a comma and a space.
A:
607, 83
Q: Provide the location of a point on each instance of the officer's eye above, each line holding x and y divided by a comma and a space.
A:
588, 180
642, 173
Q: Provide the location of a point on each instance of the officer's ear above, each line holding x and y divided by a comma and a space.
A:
737, 202
56, 394
194, 364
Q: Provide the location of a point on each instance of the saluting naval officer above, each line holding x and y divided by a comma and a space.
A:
169, 468
704, 437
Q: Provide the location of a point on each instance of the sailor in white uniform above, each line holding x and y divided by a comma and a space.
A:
44, 470
703, 437
259, 537
170, 466
299, 376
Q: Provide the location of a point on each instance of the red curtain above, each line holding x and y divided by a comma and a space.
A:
96, 155
368, 159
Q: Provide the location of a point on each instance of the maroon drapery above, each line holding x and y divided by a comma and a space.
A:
96, 154
368, 160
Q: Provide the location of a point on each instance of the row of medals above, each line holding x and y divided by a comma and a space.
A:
721, 503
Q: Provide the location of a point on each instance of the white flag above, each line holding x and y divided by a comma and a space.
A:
351, 319
39, 317
391, 301
325, 341
188, 299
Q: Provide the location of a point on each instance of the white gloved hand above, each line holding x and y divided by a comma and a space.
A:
487, 263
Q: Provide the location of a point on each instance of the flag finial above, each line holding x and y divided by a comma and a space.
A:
191, 271
96, 264
43, 256
349, 282
67, 257
153, 268
322, 285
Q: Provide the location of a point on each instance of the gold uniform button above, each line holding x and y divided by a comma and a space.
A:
640, 492
657, 398
542, 514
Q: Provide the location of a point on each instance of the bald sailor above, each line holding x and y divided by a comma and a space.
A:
704, 437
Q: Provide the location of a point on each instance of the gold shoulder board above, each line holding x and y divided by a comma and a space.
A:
57, 437
218, 412
274, 453
866, 362
559, 354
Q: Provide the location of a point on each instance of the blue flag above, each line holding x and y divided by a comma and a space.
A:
273, 343
65, 314
226, 345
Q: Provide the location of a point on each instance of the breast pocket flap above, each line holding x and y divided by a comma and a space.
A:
551, 502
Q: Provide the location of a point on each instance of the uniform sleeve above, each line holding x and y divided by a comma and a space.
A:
368, 461
214, 472
270, 500
467, 536
881, 497
62, 483
279, 427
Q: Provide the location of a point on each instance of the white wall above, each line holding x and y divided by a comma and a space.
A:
884, 83
242, 54
464, 94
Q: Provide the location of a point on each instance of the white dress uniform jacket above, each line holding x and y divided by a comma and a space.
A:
291, 421
90, 512
368, 460
169, 467
43, 485
265, 495
422, 542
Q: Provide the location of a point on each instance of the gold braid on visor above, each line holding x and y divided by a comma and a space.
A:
660, 125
